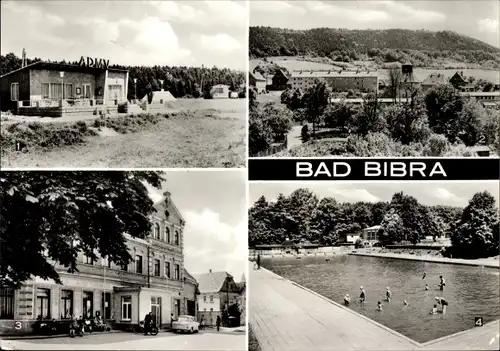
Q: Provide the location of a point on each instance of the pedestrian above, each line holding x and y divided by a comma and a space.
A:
172, 319
442, 302
147, 323
218, 323
258, 261
202, 322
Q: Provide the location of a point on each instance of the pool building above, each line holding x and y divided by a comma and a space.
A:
55, 89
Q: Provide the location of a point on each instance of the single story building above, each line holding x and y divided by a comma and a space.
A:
51, 89
371, 233
220, 91
257, 81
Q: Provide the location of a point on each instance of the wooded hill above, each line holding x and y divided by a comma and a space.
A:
421, 47
180, 81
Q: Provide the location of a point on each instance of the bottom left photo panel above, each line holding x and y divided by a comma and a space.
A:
123, 260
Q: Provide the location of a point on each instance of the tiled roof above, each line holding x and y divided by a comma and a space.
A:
435, 78
212, 282
334, 73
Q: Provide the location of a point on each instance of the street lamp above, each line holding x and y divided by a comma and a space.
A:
135, 87
61, 74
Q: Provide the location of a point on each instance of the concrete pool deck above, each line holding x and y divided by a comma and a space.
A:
286, 316
433, 259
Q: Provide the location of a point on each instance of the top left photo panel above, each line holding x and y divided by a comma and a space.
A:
123, 84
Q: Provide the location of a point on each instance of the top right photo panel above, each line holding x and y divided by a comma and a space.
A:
374, 78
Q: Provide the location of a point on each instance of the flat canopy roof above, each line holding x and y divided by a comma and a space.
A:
52, 66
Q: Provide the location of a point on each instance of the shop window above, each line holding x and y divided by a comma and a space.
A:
43, 303
126, 308
6, 303
66, 307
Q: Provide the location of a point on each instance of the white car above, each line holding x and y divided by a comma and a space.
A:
186, 324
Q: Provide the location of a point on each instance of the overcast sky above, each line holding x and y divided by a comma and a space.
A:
427, 193
188, 33
475, 18
213, 204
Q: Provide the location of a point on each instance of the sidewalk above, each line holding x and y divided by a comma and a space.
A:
285, 316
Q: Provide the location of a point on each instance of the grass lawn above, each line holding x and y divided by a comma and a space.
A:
195, 138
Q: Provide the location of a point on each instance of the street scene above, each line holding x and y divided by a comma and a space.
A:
374, 266
374, 78
100, 86
123, 260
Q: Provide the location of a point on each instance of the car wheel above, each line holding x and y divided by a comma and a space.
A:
192, 330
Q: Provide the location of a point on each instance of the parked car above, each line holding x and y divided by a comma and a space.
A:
187, 324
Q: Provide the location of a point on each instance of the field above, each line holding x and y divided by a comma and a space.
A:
292, 64
191, 133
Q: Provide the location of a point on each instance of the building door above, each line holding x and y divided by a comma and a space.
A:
106, 305
177, 308
156, 309
88, 304
191, 307
115, 92
86, 91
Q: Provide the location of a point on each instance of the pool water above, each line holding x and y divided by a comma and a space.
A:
470, 291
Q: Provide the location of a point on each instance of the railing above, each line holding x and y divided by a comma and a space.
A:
43, 103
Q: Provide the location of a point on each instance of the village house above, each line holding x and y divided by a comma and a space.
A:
190, 294
280, 81
433, 80
338, 81
459, 81
55, 89
218, 292
220, 91
152, 282
257, 81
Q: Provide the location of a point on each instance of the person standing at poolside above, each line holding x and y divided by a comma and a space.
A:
258, 261
442, 283
362, 295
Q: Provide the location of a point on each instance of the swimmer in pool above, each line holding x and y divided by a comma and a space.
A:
443, 303
379, 306
434, 309
423, 277
388, 294
362, 295
442, 283
405, 302
426, 286
347, 300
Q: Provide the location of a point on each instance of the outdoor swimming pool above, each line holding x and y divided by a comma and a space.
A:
470, 291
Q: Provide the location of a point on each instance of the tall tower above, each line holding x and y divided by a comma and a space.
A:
408, 78
24, 63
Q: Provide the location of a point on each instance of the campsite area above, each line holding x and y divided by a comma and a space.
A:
175, 133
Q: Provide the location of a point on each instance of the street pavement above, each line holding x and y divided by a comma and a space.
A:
286, 317
129, 341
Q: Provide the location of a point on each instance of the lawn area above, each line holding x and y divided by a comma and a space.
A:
193, 138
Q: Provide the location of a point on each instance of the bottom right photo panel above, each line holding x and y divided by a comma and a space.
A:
374, 266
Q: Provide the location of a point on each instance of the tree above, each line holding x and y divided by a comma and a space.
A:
391, 228
325, 222
394, 83
277, 119
259, 136
368, 118
476, 235
470, 122
51, 216
315, 101
338, 115
259, 223
415, 218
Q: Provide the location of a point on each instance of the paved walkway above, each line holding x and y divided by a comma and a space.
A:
287, 317
294, 137
485, 262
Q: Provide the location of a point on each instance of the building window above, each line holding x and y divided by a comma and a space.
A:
68, 90
126, 308
167, 235
42, 303
56, 91
211, 298
176, 238
167, 269
211, 309
138, 264
204, 298
106, 305
124, 267
66, 304
177, 276
45, 91
156, 309
14, 91
88, 304
157, 268
156, 231
6, 303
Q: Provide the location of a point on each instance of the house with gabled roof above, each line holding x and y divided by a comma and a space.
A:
257, 81
218, 293
432, 80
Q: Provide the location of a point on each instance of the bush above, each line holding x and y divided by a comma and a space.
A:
82, 126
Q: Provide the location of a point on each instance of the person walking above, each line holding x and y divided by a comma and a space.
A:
172, 319
202, 322
147, 323
218, 321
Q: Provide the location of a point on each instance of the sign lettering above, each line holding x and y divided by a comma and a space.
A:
93, 62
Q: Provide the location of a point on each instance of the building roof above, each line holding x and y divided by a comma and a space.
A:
434, 78
212, 282
257, 76
189, 277
282, 73
460, 76
333, 73
52, 66
481, 93
375, 227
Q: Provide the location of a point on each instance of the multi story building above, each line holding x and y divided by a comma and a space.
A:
338, 81
153, 282
218, 292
